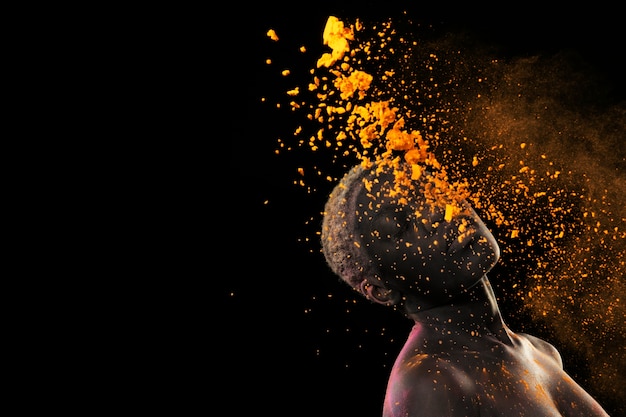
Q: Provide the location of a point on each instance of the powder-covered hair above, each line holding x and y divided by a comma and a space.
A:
340, 244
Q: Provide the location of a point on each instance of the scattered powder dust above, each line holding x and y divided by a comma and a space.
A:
528, 141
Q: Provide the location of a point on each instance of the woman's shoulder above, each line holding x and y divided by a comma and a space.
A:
429, 385
431, 370
542, 346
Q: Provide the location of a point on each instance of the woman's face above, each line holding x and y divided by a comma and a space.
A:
417, 250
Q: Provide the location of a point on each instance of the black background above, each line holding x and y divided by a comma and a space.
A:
295, 340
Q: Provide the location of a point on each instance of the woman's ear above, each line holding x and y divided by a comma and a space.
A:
379, 294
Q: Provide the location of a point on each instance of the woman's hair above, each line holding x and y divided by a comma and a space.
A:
340, 244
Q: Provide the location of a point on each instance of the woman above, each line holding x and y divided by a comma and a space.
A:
409, 241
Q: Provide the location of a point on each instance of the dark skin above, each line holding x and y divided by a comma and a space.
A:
460, 358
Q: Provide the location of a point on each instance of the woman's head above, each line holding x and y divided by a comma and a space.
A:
404, 238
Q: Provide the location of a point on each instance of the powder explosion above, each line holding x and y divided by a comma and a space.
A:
512, 138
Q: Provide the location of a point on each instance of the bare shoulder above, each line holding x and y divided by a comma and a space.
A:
428, 368
428, 385
543, 346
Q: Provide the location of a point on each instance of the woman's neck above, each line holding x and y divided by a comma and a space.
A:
468, 319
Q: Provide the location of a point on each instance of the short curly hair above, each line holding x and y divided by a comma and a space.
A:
340, 244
